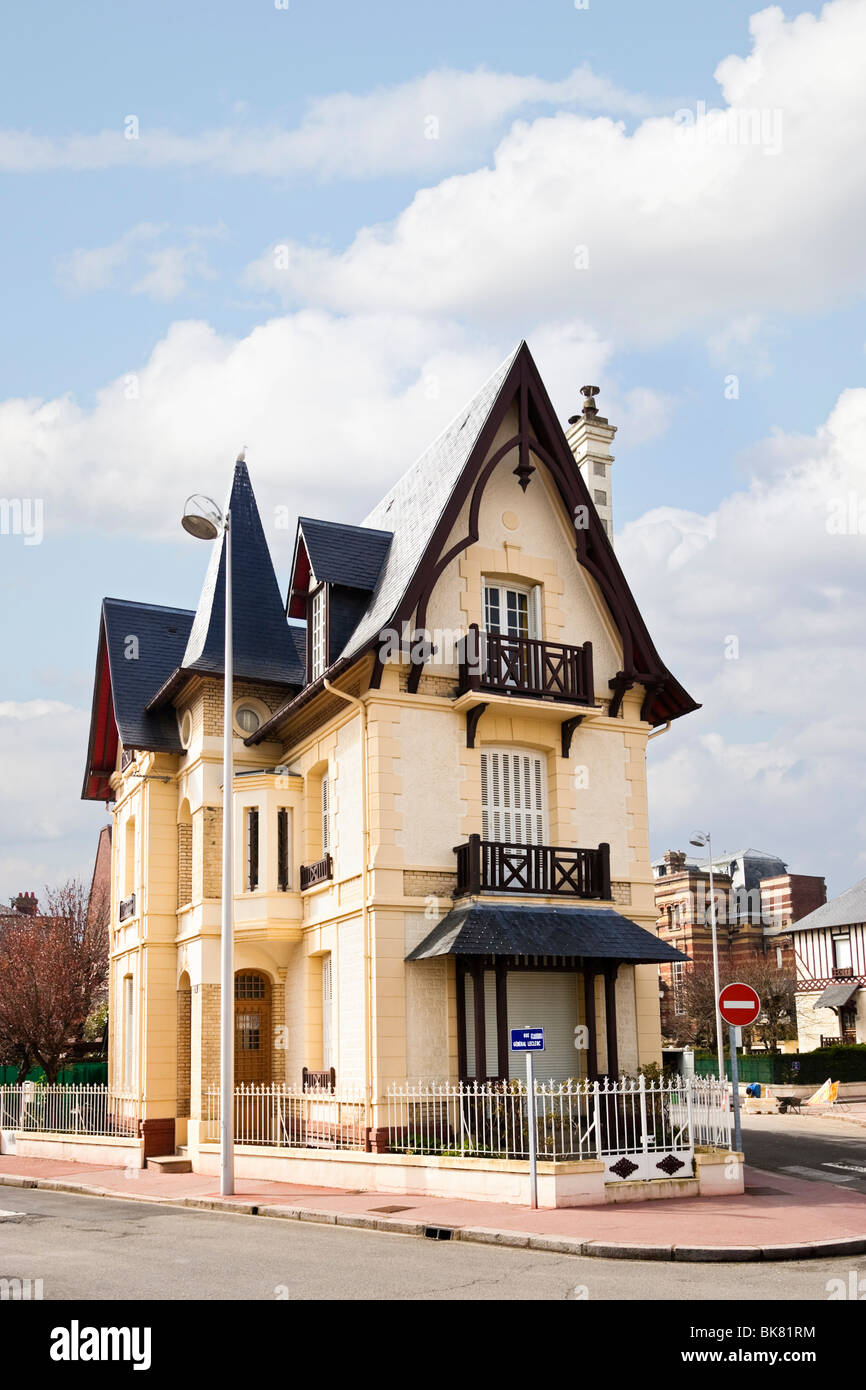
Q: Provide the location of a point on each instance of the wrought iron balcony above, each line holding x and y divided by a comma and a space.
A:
494, 662
320, 872
493, 866
126, 908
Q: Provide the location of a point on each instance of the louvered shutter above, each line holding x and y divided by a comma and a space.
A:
513, 797
326, 817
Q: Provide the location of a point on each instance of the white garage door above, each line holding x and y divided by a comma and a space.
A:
546, 999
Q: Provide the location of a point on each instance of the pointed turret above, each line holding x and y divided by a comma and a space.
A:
264, 644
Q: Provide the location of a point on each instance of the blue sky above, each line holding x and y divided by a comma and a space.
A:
149, 332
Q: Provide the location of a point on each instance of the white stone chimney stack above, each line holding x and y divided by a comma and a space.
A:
590, 436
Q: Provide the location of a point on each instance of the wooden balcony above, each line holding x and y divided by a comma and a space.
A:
843, 972
320, 872
491, 866
491, 662
847, 1038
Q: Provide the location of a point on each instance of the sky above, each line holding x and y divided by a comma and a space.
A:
314, 230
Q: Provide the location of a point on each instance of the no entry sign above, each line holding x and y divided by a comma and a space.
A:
739, 1005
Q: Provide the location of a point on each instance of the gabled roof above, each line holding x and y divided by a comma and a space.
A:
845, 911
336, 554
424, 505
140, 644
264, 646
417, 501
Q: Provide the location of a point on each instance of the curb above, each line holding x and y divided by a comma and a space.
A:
477, 1235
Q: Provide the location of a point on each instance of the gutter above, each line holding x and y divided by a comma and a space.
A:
361, 707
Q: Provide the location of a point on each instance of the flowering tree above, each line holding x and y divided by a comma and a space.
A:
53, 971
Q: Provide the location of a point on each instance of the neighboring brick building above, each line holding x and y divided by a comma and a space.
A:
755, 898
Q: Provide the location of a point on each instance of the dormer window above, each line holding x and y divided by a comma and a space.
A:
318, 633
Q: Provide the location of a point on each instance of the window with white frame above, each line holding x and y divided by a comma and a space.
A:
326, 815
511, 609
677, 981
513, 796
327, 1012
128, 1032
317, 633
842, 951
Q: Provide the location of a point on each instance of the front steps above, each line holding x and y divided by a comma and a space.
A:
170, 1163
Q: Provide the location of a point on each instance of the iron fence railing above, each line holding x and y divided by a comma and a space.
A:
608, 1120
55, 1109
285, 1117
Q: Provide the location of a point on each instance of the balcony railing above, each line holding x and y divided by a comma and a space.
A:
843, 972
320, 872
491, 661
127, 908
493, 866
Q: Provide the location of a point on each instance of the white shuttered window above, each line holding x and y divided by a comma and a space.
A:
326, 816
513, 797
327, 1012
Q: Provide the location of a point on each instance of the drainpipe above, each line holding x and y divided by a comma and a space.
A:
361, 707
657, 732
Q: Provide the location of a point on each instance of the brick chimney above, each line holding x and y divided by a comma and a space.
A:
26, 904
590, 436
675, 860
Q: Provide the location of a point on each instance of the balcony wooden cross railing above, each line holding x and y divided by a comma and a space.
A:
320, 872
494, 866
492, 661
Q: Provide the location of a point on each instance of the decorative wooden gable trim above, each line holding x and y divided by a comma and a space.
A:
539, 434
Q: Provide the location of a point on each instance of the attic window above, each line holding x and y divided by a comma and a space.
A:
318, 629
247, 719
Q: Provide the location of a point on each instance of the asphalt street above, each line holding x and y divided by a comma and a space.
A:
817, 1149
97, 1248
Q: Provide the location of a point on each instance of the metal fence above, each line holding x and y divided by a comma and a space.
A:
639, 1128
283, 1116
54, 1109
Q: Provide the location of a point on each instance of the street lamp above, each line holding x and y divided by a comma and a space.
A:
203, 519
700, 840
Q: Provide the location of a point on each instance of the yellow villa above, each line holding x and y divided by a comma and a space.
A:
440, 804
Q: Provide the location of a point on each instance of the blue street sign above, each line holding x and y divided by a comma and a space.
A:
527, 1040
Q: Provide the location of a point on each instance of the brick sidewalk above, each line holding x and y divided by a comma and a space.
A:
781, 1217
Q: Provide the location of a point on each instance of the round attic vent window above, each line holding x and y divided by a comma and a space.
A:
247, 718
186, 730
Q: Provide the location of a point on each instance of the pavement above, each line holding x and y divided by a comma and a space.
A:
779, 1217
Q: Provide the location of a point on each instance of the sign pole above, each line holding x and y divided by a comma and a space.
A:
530, 1114
734, 1033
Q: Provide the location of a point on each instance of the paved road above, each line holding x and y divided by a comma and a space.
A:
93, 1248
820, 1150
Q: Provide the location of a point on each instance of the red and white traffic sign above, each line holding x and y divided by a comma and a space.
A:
739, 1005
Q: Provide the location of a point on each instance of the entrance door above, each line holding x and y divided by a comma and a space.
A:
545, 999
252, 1027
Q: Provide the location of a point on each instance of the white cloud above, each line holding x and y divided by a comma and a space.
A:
167, 270
427, 124
652, 233
25, 710
758, 610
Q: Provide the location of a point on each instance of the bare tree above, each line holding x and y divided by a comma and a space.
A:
53, 969
776, 990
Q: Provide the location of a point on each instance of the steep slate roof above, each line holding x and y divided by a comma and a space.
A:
265, 648
340, 554
415, 503
845, 911
127, 676
481, 929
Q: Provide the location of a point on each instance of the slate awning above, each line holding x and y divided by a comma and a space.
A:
518, 929
835, 996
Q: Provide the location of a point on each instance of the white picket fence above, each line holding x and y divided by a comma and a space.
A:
638, 1128
55, 1109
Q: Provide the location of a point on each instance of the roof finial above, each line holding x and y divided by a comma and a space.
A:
242, 456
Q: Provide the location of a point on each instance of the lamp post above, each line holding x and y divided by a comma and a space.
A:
700, 840
203, 519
